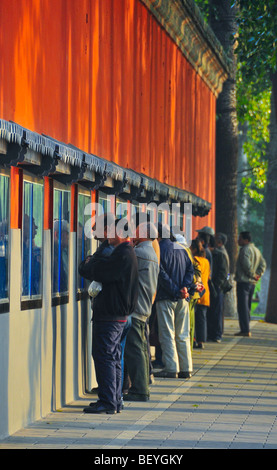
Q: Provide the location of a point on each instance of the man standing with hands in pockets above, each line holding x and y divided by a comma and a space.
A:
250, 267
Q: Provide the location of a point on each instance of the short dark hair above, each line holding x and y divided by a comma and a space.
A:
246, 235
205, 237
197, 245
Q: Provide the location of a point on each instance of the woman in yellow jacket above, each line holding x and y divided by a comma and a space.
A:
204, 301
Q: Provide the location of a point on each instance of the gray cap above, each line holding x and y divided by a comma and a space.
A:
207, 230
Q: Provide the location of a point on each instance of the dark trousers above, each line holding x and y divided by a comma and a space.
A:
215, 316
125, 331
245, 291
200, 323
106, 352
137, 358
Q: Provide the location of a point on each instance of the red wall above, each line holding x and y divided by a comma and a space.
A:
104, 76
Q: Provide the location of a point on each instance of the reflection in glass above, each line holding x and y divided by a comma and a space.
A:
121, 209
4, 236
32, 240
106, 202
161, 217
60, 241
103, 202
84, 243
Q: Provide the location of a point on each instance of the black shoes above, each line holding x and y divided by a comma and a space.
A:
240, 333
184, 375
97, 408
198, 346
164, 374
135, 397
173, 375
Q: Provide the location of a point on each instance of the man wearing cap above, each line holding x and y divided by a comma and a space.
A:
118, 274
219, 276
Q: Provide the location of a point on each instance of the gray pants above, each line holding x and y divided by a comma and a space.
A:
174, 335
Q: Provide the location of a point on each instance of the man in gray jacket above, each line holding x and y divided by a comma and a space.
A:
136, 349
250, 267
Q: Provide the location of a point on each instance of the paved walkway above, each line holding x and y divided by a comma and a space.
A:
229, 403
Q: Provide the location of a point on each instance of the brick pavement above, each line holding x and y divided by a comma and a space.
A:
229, 403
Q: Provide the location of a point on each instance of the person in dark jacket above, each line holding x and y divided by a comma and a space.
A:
175, 278
219, 276
118, 274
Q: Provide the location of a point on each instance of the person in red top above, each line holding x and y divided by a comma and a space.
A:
204, 302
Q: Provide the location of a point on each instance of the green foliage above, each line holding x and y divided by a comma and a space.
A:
257, 42
255, 220
254, 109
256, 49
204, 7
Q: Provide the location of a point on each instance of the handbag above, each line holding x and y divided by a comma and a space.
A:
226, 286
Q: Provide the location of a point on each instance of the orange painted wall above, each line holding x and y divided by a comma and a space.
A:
104, 76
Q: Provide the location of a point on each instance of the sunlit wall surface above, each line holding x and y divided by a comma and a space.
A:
103, 75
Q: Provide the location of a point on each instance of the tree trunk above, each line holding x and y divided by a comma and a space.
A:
224, 25
270, 208
271, 311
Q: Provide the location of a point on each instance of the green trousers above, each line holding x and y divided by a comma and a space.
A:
137, 358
